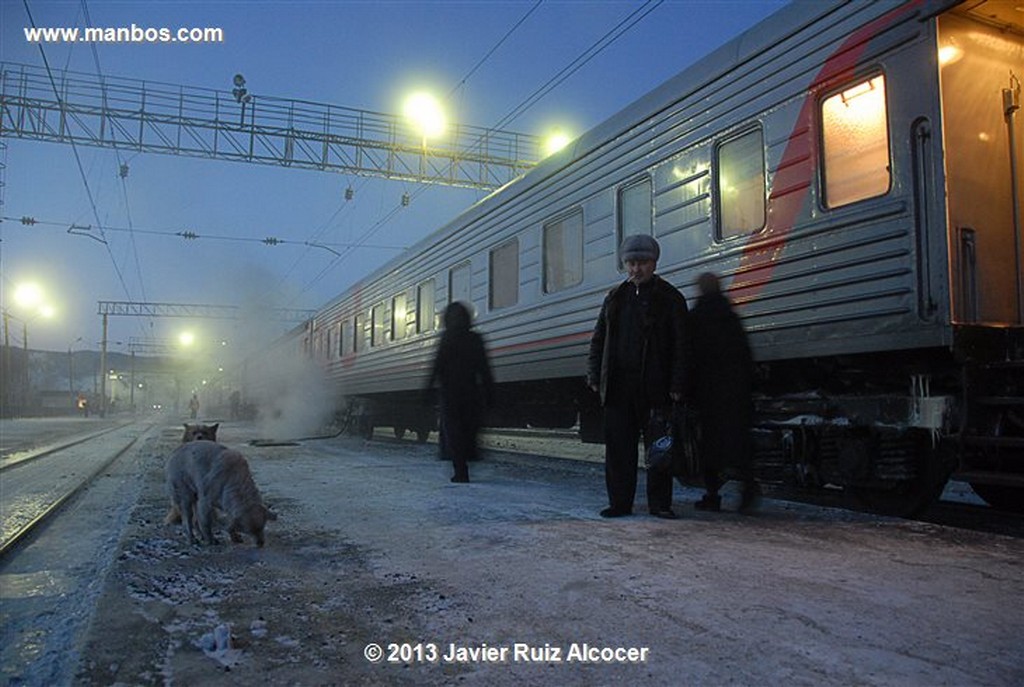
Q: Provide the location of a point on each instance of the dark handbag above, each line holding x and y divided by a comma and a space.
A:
660, 456
673, 450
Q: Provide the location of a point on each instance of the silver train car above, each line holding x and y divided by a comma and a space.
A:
852, 172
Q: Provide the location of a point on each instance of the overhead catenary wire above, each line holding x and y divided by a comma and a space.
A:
193, 235
121, 175
406, 198
78, 162
122, 169
362, 241
586, 56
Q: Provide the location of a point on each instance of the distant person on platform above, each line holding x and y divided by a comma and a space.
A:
463, 372
723, 373
193, 407
235, 399
83, 404
637, 364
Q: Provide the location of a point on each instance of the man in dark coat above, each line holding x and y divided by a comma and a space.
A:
467, 387
637, 364
721, 384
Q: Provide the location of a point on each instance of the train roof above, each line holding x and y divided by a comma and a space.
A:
764, 35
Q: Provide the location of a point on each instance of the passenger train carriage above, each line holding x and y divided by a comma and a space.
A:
852, 170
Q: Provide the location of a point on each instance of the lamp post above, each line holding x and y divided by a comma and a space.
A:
71, 376
5, 396
29, 297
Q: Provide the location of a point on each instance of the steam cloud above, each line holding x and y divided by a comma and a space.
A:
291, 396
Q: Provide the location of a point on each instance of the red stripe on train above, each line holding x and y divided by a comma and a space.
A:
795, 173
554, 341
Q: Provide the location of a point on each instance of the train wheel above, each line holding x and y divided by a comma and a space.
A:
399, 432
908, 497
1010, 499
422, 435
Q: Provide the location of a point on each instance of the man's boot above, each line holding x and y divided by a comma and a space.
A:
751, 499
709, 502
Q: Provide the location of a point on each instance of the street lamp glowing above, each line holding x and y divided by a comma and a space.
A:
186, 338
425, 112
555, 141
28, 295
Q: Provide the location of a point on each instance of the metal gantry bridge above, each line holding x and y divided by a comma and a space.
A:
145, 116
206, 311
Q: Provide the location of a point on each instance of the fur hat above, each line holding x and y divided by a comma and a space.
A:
639, 247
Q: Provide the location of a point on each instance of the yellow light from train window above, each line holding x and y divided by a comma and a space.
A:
851, 94
855, 143
865, 101
950, 53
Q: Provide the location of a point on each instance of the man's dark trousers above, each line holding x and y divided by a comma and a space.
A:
626, 417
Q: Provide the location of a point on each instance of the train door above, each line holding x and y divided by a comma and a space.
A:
981, 61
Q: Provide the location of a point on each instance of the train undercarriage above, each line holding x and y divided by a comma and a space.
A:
889, 429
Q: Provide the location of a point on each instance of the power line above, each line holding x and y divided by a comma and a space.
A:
122, 168
590, 53
586, 56
191, 235
493, 49
394, 211
78, 161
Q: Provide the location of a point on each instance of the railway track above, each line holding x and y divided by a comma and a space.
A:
36, 484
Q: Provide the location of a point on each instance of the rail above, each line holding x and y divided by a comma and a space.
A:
24, 516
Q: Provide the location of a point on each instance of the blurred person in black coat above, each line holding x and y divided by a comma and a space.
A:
637, 364
722, 381
462, 370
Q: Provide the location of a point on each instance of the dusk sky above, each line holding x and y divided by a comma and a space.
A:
364, 55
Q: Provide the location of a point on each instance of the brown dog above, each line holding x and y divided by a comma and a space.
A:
192, 433
203, 476
197, 432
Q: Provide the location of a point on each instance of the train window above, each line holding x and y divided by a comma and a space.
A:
399, 317
563, 252
855, 142
635, 211
377, 325
504, 285
425, 307
344, 338
740, 185
359, 333
459, 283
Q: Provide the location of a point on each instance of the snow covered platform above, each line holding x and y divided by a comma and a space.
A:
381, 571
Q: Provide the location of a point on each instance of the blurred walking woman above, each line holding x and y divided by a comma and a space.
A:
463, 372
